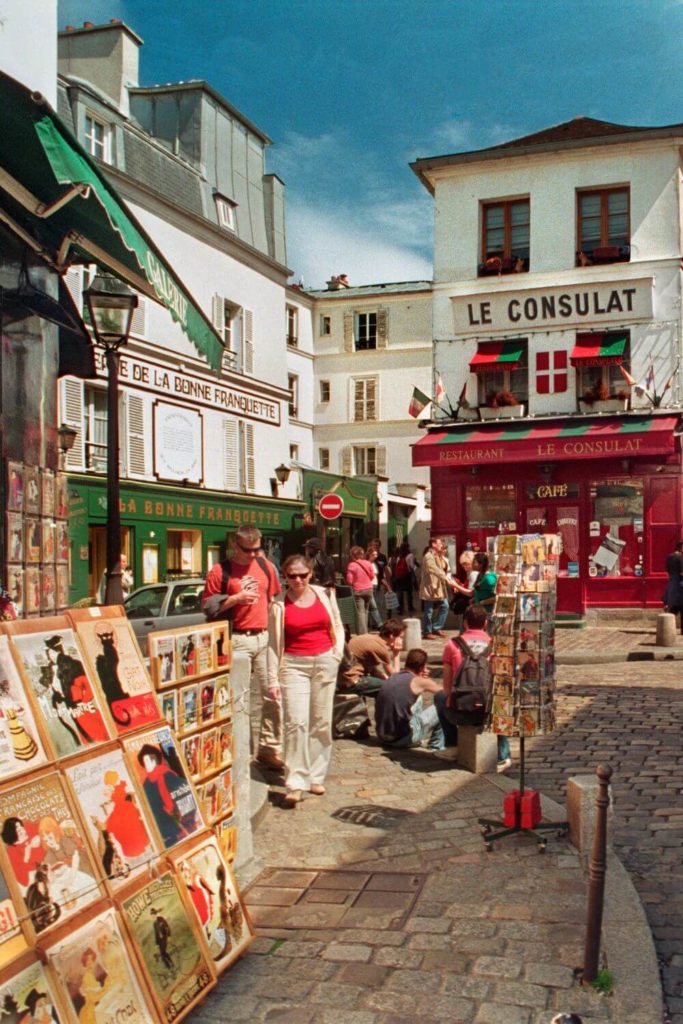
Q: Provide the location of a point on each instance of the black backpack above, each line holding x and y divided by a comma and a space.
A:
470, 699
266, 568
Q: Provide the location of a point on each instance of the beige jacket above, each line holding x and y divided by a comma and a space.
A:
276, 629
433, 585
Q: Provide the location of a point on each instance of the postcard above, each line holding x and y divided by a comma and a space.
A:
528, 722
506, 563
15, 587
162, 659
222, 646
224, 798
530, 607
223, 698
224, 746
502, 705
533, 548
47, 540
504, 646
505, 605
32, 537
529, 692
168, 945
169, 708
32, 590
188, 708
503, 684
226, 832
501, 666
207, 879
110, 646
192, 752
15, 537
503, 725
502, 625
209, 760
47, 856
62, 553
21, 746
62, 576
94, 970
527, 665
506, 544
61, 496
111, 811
528, 637
207, 693
168, 795
31, 490
27, 997
54, 667
15, 486
506, 584
48, 594
47, 492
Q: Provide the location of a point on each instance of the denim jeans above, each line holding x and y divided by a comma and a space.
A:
366, 686
375, 616
424, 722
433, 615
503, 748
362, 600
448, 725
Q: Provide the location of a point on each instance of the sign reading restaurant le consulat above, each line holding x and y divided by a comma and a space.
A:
546, 308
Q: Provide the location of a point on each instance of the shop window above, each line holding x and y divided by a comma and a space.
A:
551, 372
505, 237
603, 226
491, 383
364, 390
616, 528
183, 552
491, 506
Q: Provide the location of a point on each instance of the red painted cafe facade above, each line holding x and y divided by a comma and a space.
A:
587, 478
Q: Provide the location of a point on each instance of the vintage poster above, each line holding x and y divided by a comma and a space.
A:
192, 752
169, 708
59, 682
176, 968
162, 659
15, 486
110, 808
48, 589
96, 975
208, 882
47, 492
62, 545
21, 747
221, 644
15, 587
27, 998
168, 795
61, 496
45, 851
15, 537
224, 746
31, 490
62, 576
116, 664
188, 708
222, 698
32, 539
32, 590
209, 758
12, 941
207, 694
225, 799
226, 831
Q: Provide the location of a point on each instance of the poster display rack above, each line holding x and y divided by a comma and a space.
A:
117, 899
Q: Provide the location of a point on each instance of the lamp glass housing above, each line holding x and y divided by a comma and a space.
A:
111, 305
282, 473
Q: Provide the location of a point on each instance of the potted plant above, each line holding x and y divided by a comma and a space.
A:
598, 399
501, 405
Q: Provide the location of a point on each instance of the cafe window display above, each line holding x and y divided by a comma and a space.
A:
489, 505
616, 528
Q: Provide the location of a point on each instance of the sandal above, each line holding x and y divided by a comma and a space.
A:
292, 798
317, 790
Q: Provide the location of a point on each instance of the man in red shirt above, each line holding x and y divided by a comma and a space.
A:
241, 589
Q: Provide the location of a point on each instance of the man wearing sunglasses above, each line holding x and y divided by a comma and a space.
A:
240, 589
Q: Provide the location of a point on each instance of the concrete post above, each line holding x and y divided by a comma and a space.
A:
413, 637
666, 630
477, 751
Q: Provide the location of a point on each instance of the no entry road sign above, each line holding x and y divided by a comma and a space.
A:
331, 506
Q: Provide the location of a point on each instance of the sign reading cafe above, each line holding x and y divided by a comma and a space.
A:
544, 308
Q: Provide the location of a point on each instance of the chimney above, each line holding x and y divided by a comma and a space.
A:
107, 56
335, 284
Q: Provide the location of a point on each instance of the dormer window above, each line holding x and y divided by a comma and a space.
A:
225, 211
97, 138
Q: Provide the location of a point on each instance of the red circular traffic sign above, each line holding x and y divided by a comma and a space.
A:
331, 506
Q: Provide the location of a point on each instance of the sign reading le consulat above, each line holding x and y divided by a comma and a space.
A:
544, 308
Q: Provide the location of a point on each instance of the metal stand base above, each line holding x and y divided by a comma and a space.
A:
540, 831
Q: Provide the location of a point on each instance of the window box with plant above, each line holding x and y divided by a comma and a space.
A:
598, 398
501, 405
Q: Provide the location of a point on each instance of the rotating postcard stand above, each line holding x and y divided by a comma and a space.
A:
523, 667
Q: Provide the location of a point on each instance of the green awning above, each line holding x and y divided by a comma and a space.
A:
54, 196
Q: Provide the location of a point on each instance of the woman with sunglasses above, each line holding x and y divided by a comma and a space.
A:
305, 646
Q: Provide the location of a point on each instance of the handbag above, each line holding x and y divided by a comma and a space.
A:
391, 600
460, 603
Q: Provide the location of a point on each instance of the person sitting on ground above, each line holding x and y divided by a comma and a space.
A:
373, 659
478, 640
401, 717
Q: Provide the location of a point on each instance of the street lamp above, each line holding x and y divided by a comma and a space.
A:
282, 475
111, 305
67, 438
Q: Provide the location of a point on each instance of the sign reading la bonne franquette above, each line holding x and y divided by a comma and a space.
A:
544, 308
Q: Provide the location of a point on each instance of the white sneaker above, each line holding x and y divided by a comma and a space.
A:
448, 753
503, 766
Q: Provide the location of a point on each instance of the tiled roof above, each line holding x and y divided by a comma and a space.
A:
577, 128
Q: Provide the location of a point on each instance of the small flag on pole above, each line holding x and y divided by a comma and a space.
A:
631, 381
418, 402
650, 379
463, 396
439, 390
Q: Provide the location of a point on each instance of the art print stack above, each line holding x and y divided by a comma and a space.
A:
116, 900
523, 630
191, 671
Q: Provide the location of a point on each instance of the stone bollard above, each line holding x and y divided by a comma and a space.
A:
477, 750
582, 792
413, 636
666, 630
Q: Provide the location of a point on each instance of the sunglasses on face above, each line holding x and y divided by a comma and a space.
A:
297, 575
248, 551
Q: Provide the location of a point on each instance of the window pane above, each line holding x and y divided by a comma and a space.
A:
490, 505
519, 214
617, 202
618, 506
519, 240
495, 217
590, 205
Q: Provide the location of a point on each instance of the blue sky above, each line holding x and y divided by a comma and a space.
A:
350, 91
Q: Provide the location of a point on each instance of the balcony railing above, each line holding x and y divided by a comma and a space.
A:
494, 266
292, 341
603, 254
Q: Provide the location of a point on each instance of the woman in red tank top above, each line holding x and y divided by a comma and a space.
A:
306, 641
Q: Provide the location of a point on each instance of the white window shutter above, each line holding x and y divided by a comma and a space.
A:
73, 279
71, 412
136, 447
138, 324
382, 328
248, 340
371, 399
348, 331
231, 455
218, 314
249, 457
346, 459
381, 460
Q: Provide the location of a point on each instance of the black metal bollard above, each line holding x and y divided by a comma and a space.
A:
567, 1018
596, 879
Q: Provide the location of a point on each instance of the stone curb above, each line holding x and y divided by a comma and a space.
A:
626, 936
594, 658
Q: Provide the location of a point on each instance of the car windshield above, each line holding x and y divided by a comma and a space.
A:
145, 602
186, 599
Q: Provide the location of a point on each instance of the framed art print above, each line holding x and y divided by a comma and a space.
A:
209, 758
224, 746
32, 590
207, 881
177, 970
96, 975
116, 666
62, 577
52, 663
45, 853
15, 587
15, 486
21, 745
48, 589
15, 537
169, 708
47, 492
32, 539
27, 995
112, 813
31, 490
188, 708
207, 698
166, 793
162, 665
222, 698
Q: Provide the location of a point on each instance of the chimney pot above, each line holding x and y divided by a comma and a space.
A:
88, 24
70, 28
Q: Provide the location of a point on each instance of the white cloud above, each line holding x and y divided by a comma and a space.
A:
460, 135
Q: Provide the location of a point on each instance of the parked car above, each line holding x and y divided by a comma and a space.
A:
164, 606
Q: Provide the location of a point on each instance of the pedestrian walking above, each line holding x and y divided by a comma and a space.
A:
434, 587
361, 577
673, 595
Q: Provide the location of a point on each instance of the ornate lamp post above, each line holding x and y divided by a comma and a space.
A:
111, 305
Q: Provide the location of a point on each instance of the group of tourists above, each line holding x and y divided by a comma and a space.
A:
299, 654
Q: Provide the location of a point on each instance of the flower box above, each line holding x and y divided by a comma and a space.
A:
602, 405
503, 412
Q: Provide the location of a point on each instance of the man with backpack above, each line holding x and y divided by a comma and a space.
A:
467, 679
240, 589
402, 578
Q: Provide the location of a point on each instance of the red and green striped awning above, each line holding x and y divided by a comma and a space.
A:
598, 349
497, 355
601, 437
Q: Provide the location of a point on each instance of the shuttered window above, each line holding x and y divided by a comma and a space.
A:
71, 412
231, 455
364, 393
135, 436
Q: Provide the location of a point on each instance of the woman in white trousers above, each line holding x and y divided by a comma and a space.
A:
305, 646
